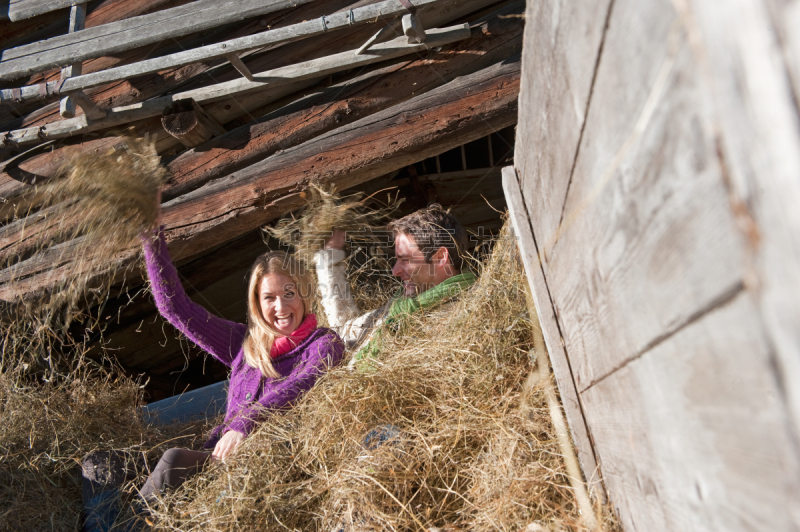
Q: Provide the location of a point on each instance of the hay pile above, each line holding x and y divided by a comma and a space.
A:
55, 407
469, 448
470, 445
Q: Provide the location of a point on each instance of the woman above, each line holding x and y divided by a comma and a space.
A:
274, 359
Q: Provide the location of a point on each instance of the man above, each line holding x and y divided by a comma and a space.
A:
430, 247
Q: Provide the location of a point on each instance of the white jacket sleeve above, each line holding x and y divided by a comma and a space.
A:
334, 288
343, 314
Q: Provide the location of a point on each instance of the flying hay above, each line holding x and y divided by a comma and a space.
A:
364, 220
94, 208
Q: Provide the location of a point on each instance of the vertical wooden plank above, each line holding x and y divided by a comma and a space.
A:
555, 347
77, 21
785, 19
648, 242
752, 72
561, 45
693, 435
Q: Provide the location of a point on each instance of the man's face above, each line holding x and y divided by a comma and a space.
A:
410, 266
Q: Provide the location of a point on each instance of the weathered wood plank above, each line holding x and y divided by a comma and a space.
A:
785, 18
22, 9
526, 240
754, 96
16, 115
360, 16
267, 80
131, 33
424, 126
492, 40
77, 22
647, 231
463, 110
488, 44
563, 44
694, 435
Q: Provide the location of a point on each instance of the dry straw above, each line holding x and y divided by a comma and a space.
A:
368, 241
467, 447
96, 206
56, 404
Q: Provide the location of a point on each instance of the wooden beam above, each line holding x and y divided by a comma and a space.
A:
70, 104
265, 80
189, 123
495, 36
126, 34
22, 9
461, 111
77, 21
573, 408
239, 65
413, 29
360, 16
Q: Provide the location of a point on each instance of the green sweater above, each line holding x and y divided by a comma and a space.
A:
402, 307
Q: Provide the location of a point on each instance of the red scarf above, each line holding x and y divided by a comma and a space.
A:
284, 344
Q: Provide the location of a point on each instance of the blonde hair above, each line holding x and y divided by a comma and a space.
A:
260, 336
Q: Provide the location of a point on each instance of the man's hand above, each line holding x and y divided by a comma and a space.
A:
227, 444
336, 241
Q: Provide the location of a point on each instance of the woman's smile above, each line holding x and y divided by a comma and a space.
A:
281, 304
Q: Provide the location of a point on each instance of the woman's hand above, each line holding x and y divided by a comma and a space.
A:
336, 241
227, 444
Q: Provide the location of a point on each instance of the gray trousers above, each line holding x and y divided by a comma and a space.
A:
104, 473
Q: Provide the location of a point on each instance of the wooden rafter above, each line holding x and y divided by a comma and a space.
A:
466, 109
262, 81
22, 9
226, 49
494, 39
130, 33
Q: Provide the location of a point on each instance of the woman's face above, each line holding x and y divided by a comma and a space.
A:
280, 303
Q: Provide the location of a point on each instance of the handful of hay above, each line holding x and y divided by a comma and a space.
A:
365, 225
327, 210
111, 195
95, 208
465, 444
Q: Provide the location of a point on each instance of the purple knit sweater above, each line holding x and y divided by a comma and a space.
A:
250, 395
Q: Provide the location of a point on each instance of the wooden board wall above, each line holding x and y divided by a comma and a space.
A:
658, 163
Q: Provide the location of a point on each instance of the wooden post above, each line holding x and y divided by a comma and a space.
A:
412, 28
79, 99
77, 21
237, 63
189, 123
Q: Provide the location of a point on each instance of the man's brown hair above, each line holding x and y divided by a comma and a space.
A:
432, 228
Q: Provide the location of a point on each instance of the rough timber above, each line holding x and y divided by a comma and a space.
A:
657, 164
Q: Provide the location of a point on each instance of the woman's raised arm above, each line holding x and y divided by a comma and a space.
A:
217, 336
